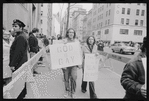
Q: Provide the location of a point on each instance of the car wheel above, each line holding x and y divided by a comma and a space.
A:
132, 53
113, 50
121, 51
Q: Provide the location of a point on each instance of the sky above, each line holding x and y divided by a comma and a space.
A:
57, 6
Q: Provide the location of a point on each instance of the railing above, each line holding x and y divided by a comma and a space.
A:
22, 75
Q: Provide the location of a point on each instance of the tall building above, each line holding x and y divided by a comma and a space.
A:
55, 26
78, 17
29, 13
73, 8
46, 19
119, 22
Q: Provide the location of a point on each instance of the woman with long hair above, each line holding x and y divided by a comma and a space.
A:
70, 71
91, 48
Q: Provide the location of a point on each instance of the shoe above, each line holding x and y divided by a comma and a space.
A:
73, 96
83, 91
66, 95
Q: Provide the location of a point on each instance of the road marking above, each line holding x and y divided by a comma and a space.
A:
113, 72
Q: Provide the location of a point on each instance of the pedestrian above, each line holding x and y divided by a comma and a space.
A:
33, 45
70, 71
100, 46
133, 75
27, 35
18, 50
7, 73
91, 48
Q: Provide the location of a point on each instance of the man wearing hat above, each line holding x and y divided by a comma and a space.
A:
18, 50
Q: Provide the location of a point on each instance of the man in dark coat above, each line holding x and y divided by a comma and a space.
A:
100, 46
33, 45
18, 50
133, 76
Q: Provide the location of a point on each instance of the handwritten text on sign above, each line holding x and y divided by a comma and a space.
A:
65, 55
90, 68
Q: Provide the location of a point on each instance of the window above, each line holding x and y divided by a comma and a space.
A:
98, 17
99, 34
106, 13
109, 12
136, 22
122, 20
107, 5
102, 7
142, 13
123, 10
141, 23
107, 31
108, 21
138, 32
41, 21
128, 11
101, 24
137, 12
41, 30
105, 22
123, 31
41, 4
138, 3
127, 21
102, 16
41, 13
98, 10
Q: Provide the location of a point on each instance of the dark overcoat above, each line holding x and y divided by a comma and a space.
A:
18, 51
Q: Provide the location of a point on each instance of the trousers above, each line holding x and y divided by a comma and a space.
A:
91, 87
71, 72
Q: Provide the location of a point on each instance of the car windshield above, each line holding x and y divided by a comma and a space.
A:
122, 44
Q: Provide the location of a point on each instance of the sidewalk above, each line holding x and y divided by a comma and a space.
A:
51, 85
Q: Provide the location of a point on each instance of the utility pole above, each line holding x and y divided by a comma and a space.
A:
68, 16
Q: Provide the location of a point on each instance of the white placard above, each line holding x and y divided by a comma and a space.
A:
65, 55
90, 68
144, 65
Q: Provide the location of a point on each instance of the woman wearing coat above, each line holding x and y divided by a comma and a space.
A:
89, 47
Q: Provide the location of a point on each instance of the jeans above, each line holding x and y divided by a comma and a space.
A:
71, 72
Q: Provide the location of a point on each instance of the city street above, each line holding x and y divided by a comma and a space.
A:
51, 85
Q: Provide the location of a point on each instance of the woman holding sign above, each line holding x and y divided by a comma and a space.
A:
133, 78
91, 48
70, 71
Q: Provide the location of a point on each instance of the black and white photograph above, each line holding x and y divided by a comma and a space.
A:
74, 50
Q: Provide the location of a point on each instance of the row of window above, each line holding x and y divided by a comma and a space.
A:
126, 31
136, 22
123, 31
137, 11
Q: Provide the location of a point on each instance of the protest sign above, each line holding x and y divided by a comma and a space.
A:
65, 55
90, 68
144, 65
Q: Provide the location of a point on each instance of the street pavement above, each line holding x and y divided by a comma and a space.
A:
50, 84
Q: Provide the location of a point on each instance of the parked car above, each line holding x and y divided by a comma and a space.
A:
122, 48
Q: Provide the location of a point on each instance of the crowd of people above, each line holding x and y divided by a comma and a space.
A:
24, 45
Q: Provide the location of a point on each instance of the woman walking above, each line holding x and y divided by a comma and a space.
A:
70, 71
89, 47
